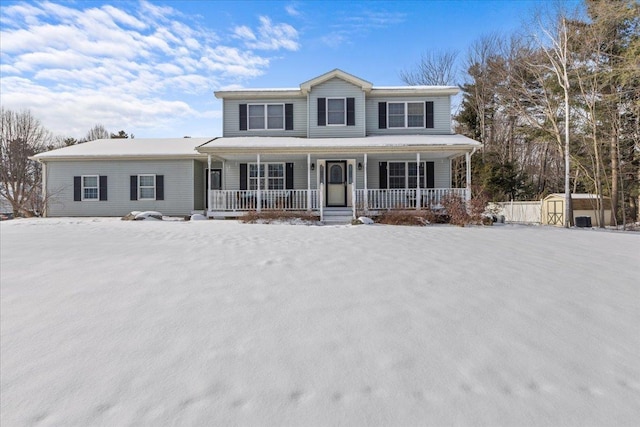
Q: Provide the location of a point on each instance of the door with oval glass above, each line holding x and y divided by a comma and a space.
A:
336, 183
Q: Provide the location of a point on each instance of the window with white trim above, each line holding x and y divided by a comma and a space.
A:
90, 188
274, 180
273, 119
405, 174
146, 187
405, 115
336, 111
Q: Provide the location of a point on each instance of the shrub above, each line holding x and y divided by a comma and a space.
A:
273, 216
412, 217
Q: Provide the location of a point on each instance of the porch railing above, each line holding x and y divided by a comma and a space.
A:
405, 198
247, 200
297, 200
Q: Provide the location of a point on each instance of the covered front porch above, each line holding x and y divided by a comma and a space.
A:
365, 176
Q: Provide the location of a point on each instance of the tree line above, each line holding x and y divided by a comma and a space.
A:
556, 105
21, 136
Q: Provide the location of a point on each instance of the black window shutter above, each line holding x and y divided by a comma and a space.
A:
77, 188
288, 116
322, 111
429, 110
133, 187
103, 187
288, 180
351, 111
243, 176
159, 187
431, 182
383, 174
243, 116
382, 115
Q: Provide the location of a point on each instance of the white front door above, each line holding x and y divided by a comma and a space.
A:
336, 183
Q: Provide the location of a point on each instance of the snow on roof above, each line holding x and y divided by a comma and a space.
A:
123, 147
370, 141
575, 195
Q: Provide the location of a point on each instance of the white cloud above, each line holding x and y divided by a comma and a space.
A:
292, 10
127, 67
271, 36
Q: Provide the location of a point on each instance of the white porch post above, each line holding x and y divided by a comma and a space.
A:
209, 199
468, 191
259, 198
418, 195
309, 182
366, 186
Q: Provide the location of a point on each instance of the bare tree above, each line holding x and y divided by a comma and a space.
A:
434, 69
22, 136
554, 43
97, 132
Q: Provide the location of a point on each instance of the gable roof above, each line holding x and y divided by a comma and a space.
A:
336, 73
174, 148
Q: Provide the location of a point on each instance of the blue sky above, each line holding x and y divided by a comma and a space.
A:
150, 68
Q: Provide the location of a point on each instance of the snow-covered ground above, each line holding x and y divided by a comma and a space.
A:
109, 322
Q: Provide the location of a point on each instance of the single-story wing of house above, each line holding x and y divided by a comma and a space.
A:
335, 145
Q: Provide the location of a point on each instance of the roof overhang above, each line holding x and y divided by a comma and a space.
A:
415, 90
259, 93
454, 144
336, 73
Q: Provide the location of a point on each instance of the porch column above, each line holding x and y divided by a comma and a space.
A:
209, 206
309, 182
366, 187
418, 195
468, 161
259, 198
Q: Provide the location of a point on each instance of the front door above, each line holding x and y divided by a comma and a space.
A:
336, 183
216, 184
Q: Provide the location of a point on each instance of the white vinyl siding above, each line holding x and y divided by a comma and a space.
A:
231, 118
441, 116
178, 187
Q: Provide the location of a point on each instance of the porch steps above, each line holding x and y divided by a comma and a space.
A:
337, 216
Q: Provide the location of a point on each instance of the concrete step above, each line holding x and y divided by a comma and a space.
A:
335, 216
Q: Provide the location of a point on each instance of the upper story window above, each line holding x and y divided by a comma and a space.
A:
272, 119
336, 112
266, 116
406, 114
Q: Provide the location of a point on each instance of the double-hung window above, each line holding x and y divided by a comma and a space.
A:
405, 115
265, 116
405, 174
336, 111
146, 187
90, 188
273, 180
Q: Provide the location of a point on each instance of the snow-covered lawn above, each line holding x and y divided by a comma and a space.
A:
108, 322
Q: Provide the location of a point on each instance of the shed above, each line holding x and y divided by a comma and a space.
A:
583, 205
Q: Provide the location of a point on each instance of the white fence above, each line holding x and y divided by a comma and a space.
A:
519, 212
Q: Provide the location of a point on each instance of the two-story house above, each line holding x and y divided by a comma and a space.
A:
336, 145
